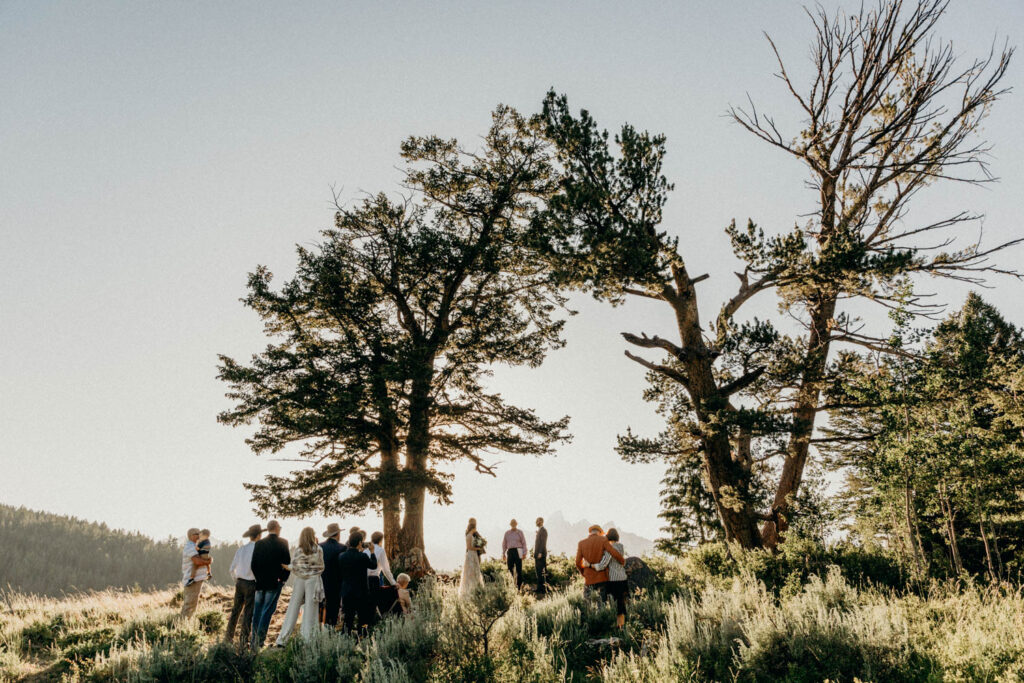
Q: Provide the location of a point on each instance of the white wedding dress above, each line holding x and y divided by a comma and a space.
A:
471, 575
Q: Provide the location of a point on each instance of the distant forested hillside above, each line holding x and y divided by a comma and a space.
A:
47, 554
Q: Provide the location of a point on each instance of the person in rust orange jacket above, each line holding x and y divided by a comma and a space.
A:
590, 551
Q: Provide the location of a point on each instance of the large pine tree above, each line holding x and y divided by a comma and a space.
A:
384, 338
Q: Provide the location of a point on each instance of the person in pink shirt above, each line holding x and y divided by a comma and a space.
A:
513, 547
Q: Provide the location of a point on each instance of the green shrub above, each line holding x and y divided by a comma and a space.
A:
784, 571
327, 656
38, 635
410, 642
211, 622
223, 662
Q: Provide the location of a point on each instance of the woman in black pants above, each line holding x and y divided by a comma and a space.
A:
617, 586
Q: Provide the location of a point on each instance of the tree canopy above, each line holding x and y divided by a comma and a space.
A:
385, 337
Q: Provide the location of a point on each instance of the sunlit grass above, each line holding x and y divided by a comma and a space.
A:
735, 629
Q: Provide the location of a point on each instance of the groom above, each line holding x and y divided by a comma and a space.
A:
540, 556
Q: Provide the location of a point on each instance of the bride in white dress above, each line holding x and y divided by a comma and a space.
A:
471, 576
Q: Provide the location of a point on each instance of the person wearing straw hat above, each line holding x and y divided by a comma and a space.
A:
332, 548
245, 587
589, 552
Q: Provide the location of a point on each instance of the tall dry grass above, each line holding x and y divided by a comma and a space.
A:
728, 630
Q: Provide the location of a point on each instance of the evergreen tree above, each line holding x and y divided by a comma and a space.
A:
932, 455
384, 338
879, 126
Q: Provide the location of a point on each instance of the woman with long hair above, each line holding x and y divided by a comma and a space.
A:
472, 577
308, 590
617, 585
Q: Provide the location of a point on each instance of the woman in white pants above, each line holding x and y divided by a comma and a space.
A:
308, 588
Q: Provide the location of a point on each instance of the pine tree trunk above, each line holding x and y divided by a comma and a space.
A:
954, 548
391, 504
392, 514
411, 552
805, 410
988, 554
729, 472
730, 486
999, 555
912, 528
729, 469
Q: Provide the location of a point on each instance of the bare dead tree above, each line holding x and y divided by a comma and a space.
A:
890, 111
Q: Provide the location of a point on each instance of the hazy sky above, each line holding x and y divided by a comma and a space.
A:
151, 155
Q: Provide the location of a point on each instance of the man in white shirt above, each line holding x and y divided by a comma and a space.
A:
245, 588
383, 570
192, 585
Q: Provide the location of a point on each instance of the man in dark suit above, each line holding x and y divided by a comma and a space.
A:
268, 557
540, 557
355, 589
333, 549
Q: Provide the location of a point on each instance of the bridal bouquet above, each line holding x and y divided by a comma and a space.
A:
479, 543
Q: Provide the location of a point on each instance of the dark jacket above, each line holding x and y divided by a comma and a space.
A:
267, 557
540, 544
332, 574
352, 565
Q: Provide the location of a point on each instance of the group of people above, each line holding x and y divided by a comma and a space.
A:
513, 550
351, 580
600, 558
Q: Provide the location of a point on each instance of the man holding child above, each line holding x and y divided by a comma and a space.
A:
195, 568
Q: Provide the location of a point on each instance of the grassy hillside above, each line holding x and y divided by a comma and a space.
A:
47, 554
698, 622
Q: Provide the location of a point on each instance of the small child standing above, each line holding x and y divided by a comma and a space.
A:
203, 551
404, 596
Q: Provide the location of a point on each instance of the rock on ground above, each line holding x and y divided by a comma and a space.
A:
639, 574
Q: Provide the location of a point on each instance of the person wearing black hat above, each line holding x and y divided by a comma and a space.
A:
355, 591
245, 587
332, 575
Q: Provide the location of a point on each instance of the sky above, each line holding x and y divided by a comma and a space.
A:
153, 154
